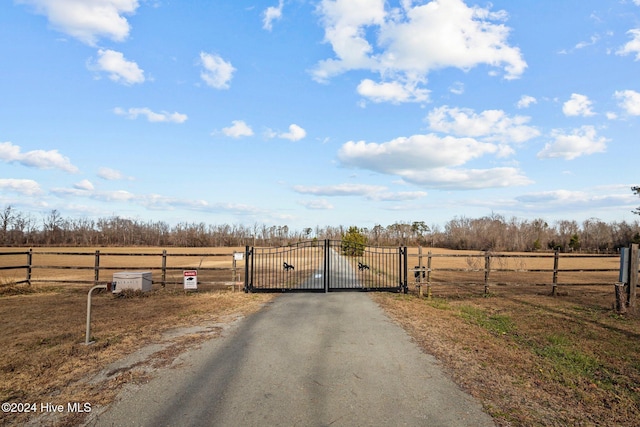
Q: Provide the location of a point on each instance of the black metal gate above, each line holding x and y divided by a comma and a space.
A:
325, 266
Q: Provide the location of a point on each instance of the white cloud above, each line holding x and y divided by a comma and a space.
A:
26, 187
467, 179
114, 196
412, 41
344, 23
238, 129
525, 101
296, 133
84, 185
430, 160
415, 152
272, 13
457, 88
320, 204
39, 159
387, 196
339, 189
490, 125
633, 46
163, 116
578, 200
394, 92
580, 142
629, 101
118, 68
155, 202
87, 20
448, 33
578, 105
592, 40
370, 192
216, 73
110, 174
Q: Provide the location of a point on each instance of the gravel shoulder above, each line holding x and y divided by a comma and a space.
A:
303, 359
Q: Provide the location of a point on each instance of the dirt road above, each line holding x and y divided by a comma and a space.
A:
306, 360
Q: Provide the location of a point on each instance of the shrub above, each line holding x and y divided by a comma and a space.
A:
353, 242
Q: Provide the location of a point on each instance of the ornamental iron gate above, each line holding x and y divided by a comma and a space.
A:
325, 266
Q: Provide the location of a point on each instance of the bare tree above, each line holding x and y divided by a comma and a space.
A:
52, 227
6, 217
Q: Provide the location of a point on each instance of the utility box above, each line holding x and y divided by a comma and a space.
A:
134, 280
623, 276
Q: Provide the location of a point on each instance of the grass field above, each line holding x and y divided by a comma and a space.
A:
531, 358
42, 353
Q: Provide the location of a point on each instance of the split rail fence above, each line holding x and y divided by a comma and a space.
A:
48, 266
505, 268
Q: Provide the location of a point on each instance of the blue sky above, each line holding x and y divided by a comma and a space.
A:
324, 112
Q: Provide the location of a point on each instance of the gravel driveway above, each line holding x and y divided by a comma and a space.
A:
303, 360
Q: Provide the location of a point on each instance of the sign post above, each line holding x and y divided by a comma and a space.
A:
190, 279
237, 256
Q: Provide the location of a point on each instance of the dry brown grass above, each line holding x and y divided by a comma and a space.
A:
42, 353
532, 359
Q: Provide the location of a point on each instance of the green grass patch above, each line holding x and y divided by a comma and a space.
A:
438, 303
566, 359
495, 323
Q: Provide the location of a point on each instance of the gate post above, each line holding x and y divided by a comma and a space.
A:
325, 275
404, 270
247, 252
405, 285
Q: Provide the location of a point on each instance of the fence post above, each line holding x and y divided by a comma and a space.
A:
556, 257
164, 268
487, 269
621, 297
418, 274
29, 265
429, 275
633, 277
96, 269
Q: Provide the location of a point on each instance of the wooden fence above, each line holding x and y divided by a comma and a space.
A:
546, 268
94, 269
507, 268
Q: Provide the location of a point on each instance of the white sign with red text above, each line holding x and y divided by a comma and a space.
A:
190, 279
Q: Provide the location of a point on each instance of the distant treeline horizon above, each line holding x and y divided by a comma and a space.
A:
488, 233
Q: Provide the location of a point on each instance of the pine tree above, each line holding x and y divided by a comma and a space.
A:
353, 242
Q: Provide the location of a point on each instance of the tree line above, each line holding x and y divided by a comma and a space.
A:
493, 232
